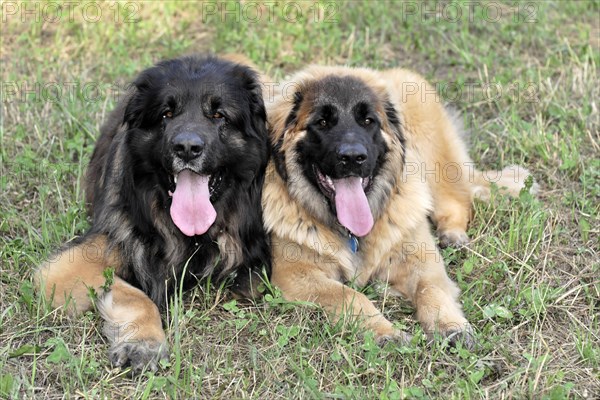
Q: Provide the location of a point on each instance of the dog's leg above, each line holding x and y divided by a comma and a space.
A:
449, 173
420, 276
132, 320
133, 326
69, 277
452, 200
435, 134
300, 281
451, 216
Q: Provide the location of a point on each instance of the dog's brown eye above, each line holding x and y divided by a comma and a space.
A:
168, 114
368, 121
217, 115
322, 122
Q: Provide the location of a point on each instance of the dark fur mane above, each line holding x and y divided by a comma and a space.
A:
126, 185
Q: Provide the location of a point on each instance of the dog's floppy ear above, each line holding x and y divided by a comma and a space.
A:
292, 117
143, 107
258, 113
393, 123
291, 120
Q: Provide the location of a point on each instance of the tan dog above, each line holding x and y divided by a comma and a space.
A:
358, 167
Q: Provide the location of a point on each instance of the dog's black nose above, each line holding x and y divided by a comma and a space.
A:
187, 146
352, 153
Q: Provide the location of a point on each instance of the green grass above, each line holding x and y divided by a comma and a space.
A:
530, 278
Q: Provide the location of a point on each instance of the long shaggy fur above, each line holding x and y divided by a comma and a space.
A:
130, 202
129, 186
416, 152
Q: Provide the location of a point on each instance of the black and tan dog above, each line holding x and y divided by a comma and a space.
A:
358, 168
174, 187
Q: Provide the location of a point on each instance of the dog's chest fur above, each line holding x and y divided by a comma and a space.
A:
298, 237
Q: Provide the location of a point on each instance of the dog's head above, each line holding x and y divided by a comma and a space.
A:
198, 126
335, 143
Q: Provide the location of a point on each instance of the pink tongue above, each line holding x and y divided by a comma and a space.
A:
191, 209
352, 206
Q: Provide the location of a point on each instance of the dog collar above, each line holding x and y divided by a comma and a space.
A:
352, 243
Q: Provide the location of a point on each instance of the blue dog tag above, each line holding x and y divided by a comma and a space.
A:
353, 243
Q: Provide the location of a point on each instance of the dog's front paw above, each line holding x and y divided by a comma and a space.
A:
138, 354
465, 337
397, 336
453, 335
453, 237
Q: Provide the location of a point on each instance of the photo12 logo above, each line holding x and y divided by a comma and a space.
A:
70, 11
454, 12
270, 11
59, 92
